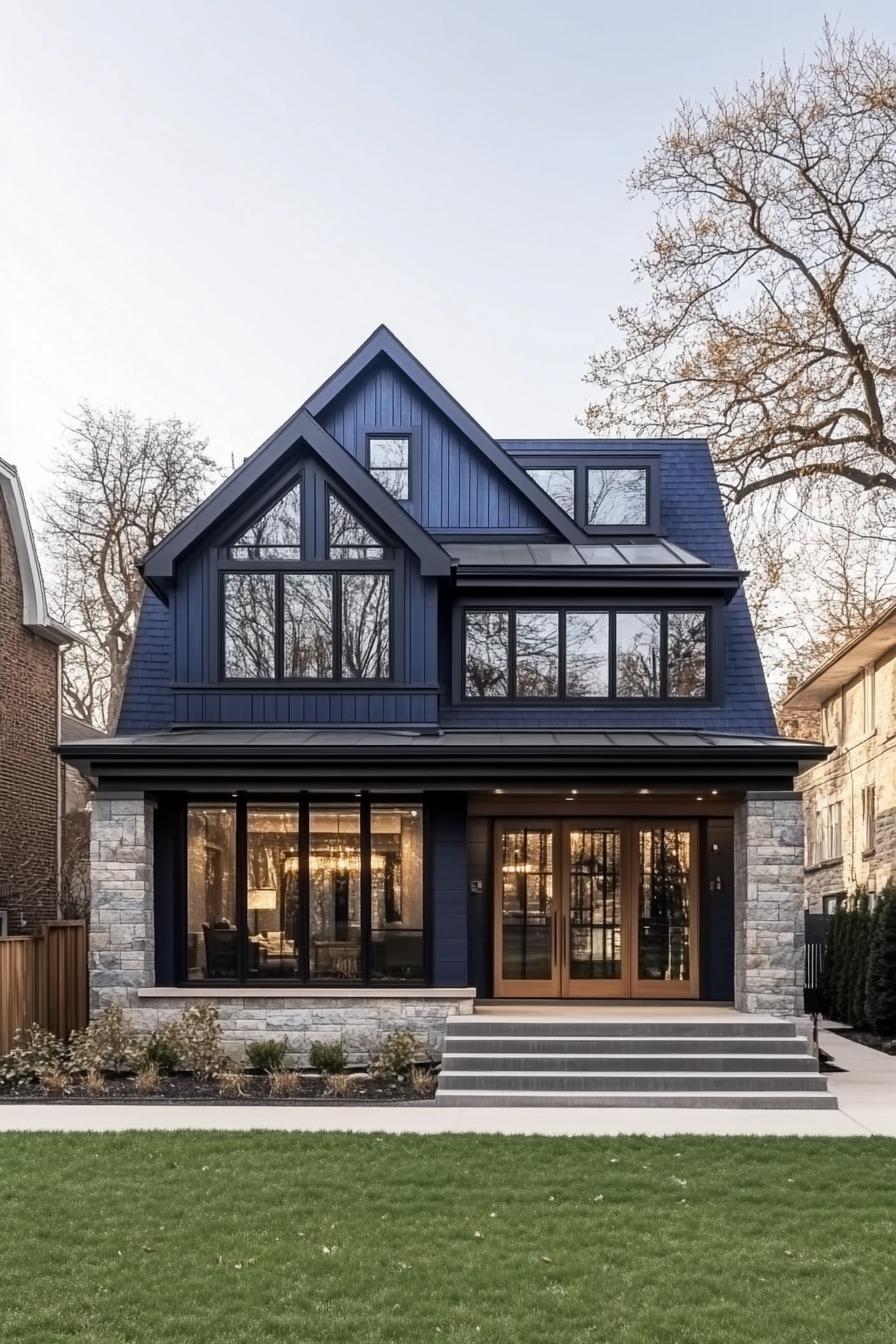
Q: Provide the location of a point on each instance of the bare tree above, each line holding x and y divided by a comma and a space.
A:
770, 321
120, 486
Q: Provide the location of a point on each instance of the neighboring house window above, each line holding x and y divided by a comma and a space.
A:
828, 833
831, 904
868, 706
389, 462
559, 483
617, 497
277, 534
329, 894
868, 819
550, 654
4, 923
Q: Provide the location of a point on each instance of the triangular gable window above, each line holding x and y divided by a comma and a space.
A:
347, 537
277, 534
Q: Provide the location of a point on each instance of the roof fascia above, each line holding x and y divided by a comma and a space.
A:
383, 343
35, 616
801, 696
158, 567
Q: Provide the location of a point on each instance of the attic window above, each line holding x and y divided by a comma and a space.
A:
559, 483
347, 537
277, 534
389, 462
617, 497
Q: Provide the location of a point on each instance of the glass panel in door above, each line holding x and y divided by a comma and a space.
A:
595, 928
666, 914
334, 863
527, 947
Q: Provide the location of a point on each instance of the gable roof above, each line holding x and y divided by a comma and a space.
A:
35, 615
158, 567
383, 344
845, 663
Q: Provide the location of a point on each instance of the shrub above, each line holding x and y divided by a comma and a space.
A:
328, 1057
55, 1080
35, 1052
341, 1084
396, 1056
106, 1045
858, 966
423, 1082
162, 1048
198, 1035
267, 1056
232, 1083
147, 1079
880, 995
95, 1082
284, 1083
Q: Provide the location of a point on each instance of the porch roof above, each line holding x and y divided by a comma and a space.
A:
460, 758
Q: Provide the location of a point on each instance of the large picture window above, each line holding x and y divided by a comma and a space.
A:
311, 626
520, 654
325, 893
615, 495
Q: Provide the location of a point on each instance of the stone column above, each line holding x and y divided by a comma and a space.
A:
122, 943
769, 932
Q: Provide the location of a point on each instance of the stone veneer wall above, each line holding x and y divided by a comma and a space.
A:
769, 929
122, 962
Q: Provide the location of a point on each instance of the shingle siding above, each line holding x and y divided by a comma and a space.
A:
148, 701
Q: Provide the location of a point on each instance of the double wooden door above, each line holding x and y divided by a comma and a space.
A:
596, 909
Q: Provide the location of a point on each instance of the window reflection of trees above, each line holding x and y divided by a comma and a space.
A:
308, 625
347, 537
487, 653
249, 625
277, 534
365, 625
617, 496
638, 654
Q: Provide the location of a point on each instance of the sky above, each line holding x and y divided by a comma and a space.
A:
206, 207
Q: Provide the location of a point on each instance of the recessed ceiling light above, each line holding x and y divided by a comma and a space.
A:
715, 793
643, 790
699, 797
573, 792
499, 790
570, 799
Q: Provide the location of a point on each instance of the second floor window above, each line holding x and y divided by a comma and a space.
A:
868, 819
317, 626
389, 462
828, 838
549, 654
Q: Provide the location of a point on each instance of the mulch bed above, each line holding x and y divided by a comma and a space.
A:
184, 1089
886, 1044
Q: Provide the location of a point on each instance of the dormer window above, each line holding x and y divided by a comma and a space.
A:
389, 462
605, 495
617, 497
347, 537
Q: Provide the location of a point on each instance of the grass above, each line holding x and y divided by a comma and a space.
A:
357, 1239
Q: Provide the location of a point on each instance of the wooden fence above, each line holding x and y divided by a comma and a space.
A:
43, 979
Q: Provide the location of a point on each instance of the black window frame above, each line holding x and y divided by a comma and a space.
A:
408, 436
316, 490
581, 465
303, 801
712, 654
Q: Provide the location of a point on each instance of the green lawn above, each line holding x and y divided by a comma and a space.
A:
218, 1238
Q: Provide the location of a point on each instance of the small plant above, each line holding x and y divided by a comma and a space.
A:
341, 1084
199, 1040
55, 1080
423, 1082
232, 1083
163, 1048
266, 1056
328, 1057
106, 1045
395, 1058
284, 1083
35, 1051
95, 1082
146, 1081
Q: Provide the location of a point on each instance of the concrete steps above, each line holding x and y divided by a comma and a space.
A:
562, 1061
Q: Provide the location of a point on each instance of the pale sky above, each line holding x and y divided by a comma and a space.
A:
206, 206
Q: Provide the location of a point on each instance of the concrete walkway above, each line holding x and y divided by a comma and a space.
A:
866, 1094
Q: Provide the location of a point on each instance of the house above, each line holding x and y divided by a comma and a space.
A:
31, 644
850, 798
417, 717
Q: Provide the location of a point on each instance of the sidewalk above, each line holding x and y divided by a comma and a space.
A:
866, 1094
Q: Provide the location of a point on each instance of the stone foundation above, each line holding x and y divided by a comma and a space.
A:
769, 929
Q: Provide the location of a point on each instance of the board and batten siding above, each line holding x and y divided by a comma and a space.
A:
461, 491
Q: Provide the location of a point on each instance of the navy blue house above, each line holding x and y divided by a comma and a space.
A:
417, 716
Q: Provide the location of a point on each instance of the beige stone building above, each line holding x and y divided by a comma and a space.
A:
850, 798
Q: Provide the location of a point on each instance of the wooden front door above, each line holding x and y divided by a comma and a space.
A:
596, 909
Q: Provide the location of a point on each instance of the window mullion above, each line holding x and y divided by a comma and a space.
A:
337, 626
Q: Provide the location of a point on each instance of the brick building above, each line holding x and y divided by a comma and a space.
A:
30, 661
850, 798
